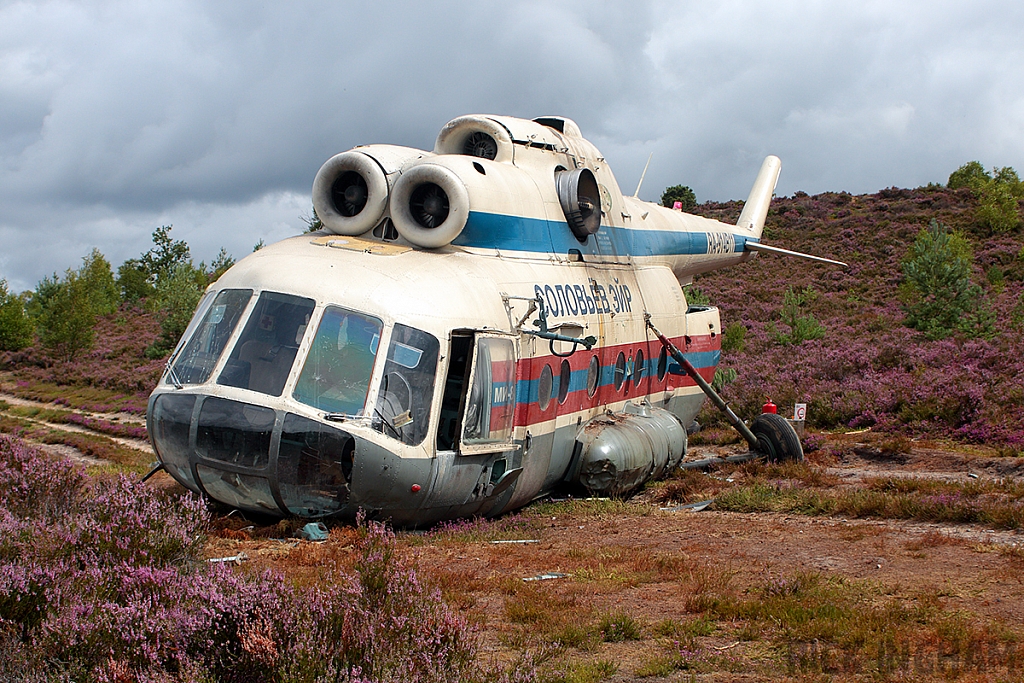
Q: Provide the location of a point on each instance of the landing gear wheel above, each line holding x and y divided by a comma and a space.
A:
777, 439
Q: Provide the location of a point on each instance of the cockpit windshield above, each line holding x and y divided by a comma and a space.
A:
198, 357
407, 385
265, 351
336, 375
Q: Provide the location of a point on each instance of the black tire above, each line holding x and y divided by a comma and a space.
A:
777, 439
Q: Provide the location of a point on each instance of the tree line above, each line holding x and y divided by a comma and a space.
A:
60, 314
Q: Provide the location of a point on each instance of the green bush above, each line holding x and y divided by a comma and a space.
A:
15, 326
723, 378
616, 627
997, 208
938, 295
679, 193
695, 297
969, 175
998, 194
734, 339
801, 327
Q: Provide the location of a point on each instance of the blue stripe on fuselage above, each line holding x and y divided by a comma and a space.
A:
518, 233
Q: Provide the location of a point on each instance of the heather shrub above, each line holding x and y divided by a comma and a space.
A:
103, 580
34, 487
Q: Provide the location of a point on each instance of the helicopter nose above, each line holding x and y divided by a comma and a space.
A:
253, 457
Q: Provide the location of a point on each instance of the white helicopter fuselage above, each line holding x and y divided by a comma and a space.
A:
462, 350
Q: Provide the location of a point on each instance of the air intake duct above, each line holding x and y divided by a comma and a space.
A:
350, 193
429, 206
581, 201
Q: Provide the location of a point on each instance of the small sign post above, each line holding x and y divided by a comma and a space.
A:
799, 416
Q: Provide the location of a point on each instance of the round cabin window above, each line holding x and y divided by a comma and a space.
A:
662, 364
564, 377
593, 375
620, 370
544, 388
639, 367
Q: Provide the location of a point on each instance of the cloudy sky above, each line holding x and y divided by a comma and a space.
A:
119, 117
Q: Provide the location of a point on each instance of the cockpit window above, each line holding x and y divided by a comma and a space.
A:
336, 375
265, 351
407, 387
198, 357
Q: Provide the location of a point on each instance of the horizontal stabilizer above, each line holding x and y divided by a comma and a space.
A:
757, 246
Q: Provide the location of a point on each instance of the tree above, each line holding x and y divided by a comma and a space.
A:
66, 318
938, 295
165, 254
998, 194
15, 326
176, 297
219, 265
801, 327
133, 281
679, 193
98, 279
969, 175
313, 222
45, 290
137, 278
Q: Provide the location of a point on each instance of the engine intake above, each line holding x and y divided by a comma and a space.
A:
477, 136
430, 205
581, 201
350, 193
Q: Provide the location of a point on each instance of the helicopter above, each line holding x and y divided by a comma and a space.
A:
469, 329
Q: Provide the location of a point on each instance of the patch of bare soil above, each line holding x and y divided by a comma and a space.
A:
646, 562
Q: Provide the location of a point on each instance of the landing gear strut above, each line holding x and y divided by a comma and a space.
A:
770, 436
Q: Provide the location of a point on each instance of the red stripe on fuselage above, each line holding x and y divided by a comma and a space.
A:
531, 368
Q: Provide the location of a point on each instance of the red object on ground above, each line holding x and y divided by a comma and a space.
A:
769, 407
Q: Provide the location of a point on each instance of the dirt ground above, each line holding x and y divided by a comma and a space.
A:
599, 563
646, 559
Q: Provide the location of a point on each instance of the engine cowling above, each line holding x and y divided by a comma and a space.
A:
476, 136
350, 193
429, 205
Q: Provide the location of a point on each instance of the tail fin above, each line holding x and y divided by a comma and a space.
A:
756, 209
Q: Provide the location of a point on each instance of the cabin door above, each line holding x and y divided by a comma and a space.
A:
479, 395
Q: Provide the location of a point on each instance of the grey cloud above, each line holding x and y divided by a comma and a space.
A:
118, 117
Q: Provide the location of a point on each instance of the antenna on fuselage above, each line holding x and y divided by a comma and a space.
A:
636, 195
